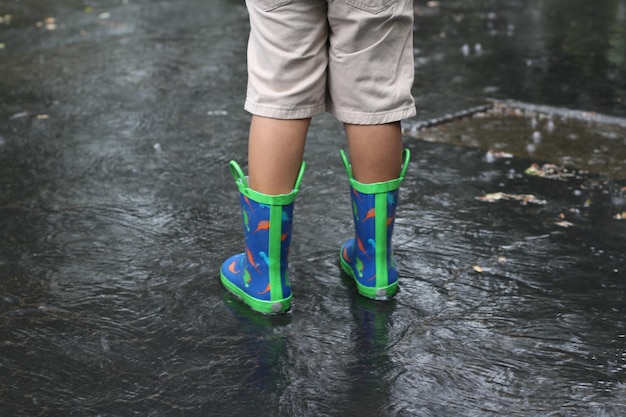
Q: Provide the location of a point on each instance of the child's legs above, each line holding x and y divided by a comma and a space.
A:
275, 150
287, 61
370, 79
375, 151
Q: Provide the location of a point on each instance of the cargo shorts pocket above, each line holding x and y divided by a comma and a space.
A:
372, 6
269, 5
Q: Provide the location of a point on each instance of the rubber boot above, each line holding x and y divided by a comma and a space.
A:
259, 276
368, 258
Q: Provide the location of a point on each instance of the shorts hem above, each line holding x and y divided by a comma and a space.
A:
285, 113
374, 118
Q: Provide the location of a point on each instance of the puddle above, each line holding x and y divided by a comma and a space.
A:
117, 122
581, 140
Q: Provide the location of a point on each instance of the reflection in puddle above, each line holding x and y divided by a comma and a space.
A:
582, 140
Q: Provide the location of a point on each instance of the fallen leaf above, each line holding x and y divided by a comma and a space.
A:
534, 170
550, 171
490, 198
564, 223
523, 198
43, 116
3, 45
477, 268
620, 216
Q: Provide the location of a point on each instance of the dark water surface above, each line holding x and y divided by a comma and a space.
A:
117, 122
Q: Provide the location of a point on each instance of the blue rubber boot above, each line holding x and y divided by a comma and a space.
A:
368, 258
259, 276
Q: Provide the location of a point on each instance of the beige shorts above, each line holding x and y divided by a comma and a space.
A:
352, 58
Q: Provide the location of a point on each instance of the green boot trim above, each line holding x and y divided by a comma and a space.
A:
375, 293
376, 187
382, 269
273, 252
266, 307
279, 200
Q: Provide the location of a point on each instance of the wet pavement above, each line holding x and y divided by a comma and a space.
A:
117, 122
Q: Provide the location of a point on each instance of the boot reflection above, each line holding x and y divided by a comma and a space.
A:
373, 319
264, 348
372, 370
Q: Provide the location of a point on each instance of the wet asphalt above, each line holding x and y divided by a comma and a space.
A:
117, 122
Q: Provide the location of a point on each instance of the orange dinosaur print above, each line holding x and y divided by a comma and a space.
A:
247, 200
345, 254
265, 291
263, 225
372, 278
232, 269
361, 247
251, 260
356, 194
389, 220
371, 213
284, 236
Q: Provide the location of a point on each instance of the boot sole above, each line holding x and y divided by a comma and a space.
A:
261, 306
374, 293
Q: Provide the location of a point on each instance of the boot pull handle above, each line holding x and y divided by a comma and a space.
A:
296, 186
237, 173
406, 156
346, 163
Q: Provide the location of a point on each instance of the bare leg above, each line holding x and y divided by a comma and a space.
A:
275, 151
375, 151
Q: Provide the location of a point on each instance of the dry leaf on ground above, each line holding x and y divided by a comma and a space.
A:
522, 198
